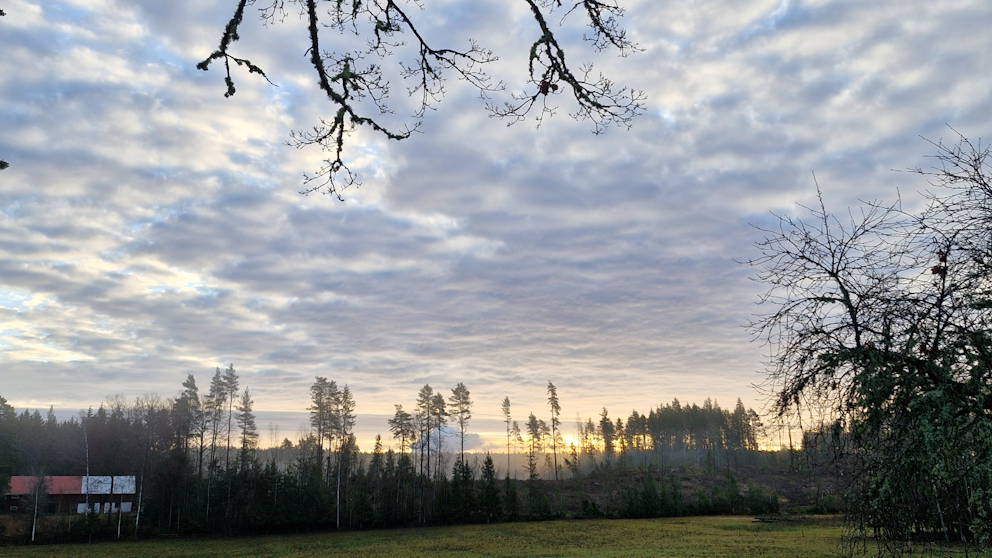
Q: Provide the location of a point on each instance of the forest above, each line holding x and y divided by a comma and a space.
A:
199, 468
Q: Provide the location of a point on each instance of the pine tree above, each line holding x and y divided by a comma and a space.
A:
555, 423
345, 422
438, 408
461, 408
332, 427
506, 417
231, 392
200, 421
518, 439
322, 417
425, 420
214, 406
620, 435
535, 443
402, 427
187, 411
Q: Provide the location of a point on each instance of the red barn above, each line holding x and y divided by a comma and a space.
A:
68, 494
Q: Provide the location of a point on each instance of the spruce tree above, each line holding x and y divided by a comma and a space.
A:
490, 490
249, 432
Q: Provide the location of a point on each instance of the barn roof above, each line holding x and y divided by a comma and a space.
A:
53, 485
74, 485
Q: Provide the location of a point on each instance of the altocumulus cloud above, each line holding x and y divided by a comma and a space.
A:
150, 228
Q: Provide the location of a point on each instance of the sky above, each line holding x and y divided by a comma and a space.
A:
151, 228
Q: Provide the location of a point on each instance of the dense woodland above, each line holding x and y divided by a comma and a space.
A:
199, 468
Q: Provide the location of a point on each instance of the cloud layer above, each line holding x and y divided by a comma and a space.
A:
150, 228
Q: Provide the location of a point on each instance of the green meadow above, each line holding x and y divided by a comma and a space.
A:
696, 536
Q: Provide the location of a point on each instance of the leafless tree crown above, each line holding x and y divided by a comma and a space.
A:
883, 303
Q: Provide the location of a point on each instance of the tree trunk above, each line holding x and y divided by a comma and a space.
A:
141, 493
37, 495
338, 491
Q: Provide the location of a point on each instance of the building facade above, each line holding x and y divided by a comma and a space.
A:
65, 495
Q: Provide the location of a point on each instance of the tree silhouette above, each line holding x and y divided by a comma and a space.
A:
490, 490
8, 447
402, 427
555, 429
350, 77
882, 320
535, 443
345, 422
607, 431
3, 164
461, 409
440, 419
249, 432
214, 405
231, 389
505, 408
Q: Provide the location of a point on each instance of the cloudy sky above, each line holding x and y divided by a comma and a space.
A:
151, 228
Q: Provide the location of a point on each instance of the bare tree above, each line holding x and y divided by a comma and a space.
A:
3, 164
882, 320
349, 77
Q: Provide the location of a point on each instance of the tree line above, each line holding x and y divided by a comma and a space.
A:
199, 468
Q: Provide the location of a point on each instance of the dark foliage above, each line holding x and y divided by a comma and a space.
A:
195, 478
882, 320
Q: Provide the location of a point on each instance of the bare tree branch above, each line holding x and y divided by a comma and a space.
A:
347, 80
3, 164
884, 318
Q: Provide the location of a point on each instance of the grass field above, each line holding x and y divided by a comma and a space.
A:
695, 536
698, 536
